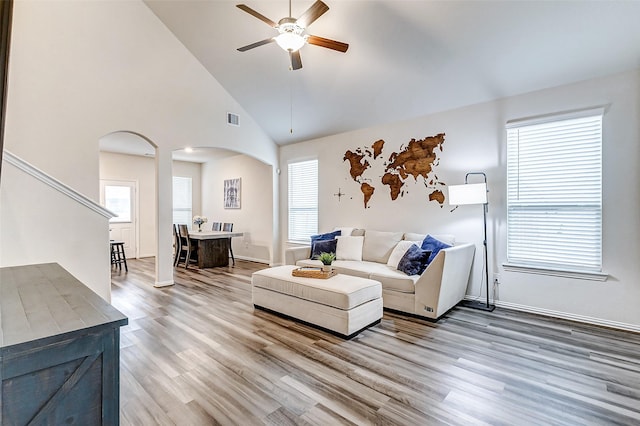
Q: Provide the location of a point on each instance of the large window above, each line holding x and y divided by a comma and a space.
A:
554, 192
303, 200
182, 201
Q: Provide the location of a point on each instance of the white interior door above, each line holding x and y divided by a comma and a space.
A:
120, 198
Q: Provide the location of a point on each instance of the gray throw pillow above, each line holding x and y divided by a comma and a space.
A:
378, 245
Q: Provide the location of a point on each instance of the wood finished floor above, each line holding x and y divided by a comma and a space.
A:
198, 354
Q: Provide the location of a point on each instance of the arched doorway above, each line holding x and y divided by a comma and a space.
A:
128, 176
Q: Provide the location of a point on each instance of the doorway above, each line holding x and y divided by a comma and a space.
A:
121, 198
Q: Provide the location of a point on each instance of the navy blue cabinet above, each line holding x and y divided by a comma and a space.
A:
59, 350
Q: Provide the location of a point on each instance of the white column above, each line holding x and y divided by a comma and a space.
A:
276, 246
164, 217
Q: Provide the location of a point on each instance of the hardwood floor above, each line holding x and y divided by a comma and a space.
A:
198, 354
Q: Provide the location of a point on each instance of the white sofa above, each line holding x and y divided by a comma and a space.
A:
439, 288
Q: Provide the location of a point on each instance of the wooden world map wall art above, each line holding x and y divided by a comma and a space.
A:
418, 159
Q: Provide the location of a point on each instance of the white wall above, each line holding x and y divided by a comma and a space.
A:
81, 70
255, 217
476, 141
31, 231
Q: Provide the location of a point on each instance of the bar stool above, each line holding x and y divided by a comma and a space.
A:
117, 254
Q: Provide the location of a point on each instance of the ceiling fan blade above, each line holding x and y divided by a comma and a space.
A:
257, 44
257, 15
296, 61
329, 44
314, 12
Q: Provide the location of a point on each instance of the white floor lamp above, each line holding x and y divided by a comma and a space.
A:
475, 193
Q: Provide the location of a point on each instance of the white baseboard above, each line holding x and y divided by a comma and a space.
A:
252, 259
565, 315
159, 284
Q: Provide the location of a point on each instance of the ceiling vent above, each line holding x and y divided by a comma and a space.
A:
233, 119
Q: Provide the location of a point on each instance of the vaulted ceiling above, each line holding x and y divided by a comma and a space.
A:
406, 58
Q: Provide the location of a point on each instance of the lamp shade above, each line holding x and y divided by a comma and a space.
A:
473, 193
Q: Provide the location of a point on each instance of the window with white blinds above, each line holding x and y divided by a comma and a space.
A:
182, 200
303, 200
554, 192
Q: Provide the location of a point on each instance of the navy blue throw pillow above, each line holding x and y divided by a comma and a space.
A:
324, 246
434, 246
414, 261
323, 237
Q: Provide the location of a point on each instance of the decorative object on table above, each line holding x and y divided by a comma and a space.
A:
313, 272
199, 220
232, 193
475, 193
326, 259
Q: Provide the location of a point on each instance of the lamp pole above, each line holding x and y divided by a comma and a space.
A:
475, 304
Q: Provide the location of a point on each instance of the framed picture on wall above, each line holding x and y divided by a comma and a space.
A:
232, 193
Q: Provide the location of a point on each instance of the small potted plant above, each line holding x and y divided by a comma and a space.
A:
326, 259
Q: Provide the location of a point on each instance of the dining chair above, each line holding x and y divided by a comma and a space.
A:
228, 227
186, 246
176, 245
216, 226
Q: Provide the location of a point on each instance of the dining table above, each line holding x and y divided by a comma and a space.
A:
213, 247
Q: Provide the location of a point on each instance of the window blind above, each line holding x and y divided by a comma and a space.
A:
554, 193
182, 200
303, 200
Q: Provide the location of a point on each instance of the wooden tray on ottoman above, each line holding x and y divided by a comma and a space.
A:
312, 272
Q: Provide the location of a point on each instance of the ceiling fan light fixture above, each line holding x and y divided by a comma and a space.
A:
291, 35
290, 41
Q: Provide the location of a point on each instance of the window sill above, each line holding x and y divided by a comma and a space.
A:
580, 275
298, 243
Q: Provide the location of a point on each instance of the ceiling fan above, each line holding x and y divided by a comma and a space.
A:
291, 35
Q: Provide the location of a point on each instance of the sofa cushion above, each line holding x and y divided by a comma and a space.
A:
378, 245
357, 232
434, 245
390, 278
414, 261
357, 268
349, 248
323, 246
395, 280
345, 230
399, 251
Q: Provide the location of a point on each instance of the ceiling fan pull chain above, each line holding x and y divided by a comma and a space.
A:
291, 103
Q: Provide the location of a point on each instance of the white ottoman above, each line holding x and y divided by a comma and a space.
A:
342, 304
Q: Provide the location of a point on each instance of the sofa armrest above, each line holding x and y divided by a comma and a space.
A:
444, 283
292, 255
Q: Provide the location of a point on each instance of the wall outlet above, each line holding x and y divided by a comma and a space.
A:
496, 278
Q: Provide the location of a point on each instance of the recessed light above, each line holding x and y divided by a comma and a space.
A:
188, 150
